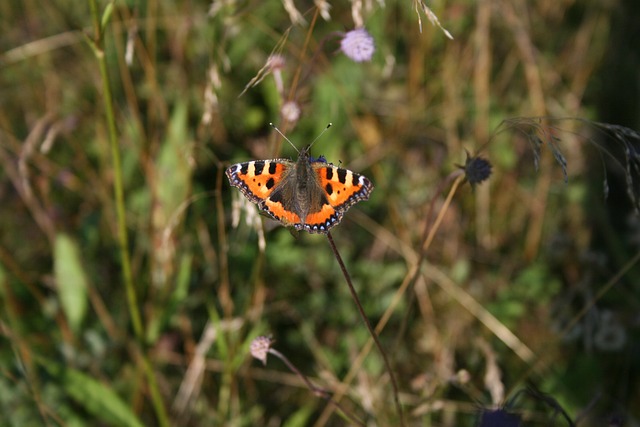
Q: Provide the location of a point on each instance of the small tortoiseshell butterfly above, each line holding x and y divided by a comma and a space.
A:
309, 194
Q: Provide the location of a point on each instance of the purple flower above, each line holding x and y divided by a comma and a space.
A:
358, 45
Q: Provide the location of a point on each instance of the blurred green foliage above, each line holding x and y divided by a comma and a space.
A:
193, 94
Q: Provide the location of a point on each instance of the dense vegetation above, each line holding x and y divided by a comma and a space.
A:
134, 279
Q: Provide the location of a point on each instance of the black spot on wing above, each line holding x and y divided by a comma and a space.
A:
329, 188
259, 167
342, 175
329, 173
276, 197
270, 183
244, 168
272, 169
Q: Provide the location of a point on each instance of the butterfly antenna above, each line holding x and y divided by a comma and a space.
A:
321, 133
289, 141
284, 136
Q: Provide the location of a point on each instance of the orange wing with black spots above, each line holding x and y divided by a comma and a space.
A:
310, 195
343, 188
279, 212
257, 179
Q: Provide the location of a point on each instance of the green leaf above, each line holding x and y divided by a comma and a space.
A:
106, 16
71, 280
98, 399
299, 418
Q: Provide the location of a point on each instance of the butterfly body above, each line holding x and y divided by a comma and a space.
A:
308, 194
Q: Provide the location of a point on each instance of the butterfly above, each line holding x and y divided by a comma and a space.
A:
308, 194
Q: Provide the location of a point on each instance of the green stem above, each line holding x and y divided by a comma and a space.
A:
365, 319
123, 240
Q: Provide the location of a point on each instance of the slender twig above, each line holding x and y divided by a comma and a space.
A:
409, 279
97, 43
373, 334
307, 40
318, 391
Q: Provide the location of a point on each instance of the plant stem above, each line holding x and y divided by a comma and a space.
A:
320, 392
373, 334
98, 47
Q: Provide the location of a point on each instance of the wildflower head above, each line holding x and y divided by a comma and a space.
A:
358, 45
476, 169
276, 62
290, 111
259, 348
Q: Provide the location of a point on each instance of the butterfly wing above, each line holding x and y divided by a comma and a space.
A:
259, 180
274, 186
341, 189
